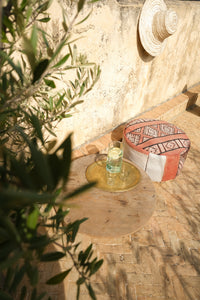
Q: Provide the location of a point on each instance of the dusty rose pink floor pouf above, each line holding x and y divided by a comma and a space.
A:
158, 147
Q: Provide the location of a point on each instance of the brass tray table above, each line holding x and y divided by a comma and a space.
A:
110, 213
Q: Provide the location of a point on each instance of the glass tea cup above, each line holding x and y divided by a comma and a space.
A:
114, 157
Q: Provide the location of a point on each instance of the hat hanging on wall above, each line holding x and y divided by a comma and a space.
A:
156, 23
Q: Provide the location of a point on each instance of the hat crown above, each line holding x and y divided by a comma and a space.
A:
156, 24
164, 24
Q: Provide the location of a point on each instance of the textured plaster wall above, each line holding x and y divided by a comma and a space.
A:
131, 81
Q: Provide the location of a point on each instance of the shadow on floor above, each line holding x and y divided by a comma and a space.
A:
162, 277
116, 283
195, 109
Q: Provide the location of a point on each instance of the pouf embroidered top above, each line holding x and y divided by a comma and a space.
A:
158, 147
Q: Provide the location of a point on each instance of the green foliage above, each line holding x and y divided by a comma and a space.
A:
32, 63
31, 198
32, 203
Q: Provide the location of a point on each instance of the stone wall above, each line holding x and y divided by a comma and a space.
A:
131, 81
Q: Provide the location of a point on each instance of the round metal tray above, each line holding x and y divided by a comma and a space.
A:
127, 179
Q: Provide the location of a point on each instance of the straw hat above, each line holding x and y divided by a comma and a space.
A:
156, 23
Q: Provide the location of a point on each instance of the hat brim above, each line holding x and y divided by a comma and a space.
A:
152, 45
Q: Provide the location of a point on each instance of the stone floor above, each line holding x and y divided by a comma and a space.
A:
162, 259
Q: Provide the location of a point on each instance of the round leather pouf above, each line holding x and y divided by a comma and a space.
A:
158, 147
